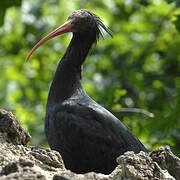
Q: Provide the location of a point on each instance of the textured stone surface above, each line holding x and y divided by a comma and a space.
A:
140, 166
167, 160
67, 175
22, 169
18, 161
21, 162
11, 128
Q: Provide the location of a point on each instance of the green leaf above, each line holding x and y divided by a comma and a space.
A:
4, 5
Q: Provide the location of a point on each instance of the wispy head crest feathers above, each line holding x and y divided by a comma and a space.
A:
101, 26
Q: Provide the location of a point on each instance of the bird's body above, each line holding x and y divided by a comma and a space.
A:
88, 137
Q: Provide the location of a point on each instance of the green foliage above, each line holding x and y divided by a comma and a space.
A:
6, 4
139, 67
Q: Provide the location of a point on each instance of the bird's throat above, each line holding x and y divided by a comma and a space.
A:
67, 78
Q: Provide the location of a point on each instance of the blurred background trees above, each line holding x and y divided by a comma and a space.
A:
138, 68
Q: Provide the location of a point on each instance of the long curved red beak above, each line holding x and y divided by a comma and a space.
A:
66, 27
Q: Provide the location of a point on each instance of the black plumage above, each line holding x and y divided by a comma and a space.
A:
88, 137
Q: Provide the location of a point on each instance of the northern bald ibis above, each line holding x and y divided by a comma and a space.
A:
88, 137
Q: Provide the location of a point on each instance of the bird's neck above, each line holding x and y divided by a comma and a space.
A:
67, 78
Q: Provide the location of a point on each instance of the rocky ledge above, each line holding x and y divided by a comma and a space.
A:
22, 162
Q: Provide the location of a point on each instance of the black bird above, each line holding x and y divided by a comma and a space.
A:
88, 137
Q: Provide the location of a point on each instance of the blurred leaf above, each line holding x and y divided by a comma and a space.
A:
176, 1
177, 22
6, 4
